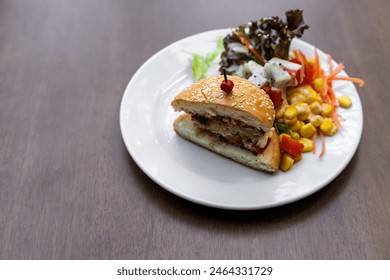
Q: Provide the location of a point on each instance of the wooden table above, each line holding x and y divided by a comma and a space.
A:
68, 186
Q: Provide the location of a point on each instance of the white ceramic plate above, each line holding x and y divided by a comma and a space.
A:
201, 176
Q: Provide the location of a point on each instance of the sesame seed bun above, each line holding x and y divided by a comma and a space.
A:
247, 102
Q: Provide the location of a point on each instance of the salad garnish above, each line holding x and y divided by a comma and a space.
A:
266, 38
299, 87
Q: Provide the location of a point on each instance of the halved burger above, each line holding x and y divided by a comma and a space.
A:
237, 125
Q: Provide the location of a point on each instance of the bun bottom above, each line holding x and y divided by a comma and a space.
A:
267, 161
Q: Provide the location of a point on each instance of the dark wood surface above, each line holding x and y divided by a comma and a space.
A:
70, 190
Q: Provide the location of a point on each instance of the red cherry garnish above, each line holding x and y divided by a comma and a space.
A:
226, 85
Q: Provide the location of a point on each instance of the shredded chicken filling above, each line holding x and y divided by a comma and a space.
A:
233, 131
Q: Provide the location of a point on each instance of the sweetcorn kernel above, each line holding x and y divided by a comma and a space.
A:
345, 101
279, 112
318, 84
286, 162
303, 111
313, 97
295, 135
316, 107
290, 113
307, 144
298, 124
310, 61
291, 122
330, 131
327, 125
307, 130
296, 97
333, 130
326, 109
315, 120
305, 90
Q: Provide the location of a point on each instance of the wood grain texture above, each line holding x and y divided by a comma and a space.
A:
70, 190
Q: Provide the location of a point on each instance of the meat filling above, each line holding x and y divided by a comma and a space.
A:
233, 131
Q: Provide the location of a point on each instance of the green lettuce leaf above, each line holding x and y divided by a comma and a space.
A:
200, 64
282, 128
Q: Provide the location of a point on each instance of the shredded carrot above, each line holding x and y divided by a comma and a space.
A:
314, 139
326, 99
250, 47
332, 96
330, 62
336, 71
354, 80
336, 119
317, 67
333, 102
322, 143
324, 90
300, 57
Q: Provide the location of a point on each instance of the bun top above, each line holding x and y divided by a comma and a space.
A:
247, 102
